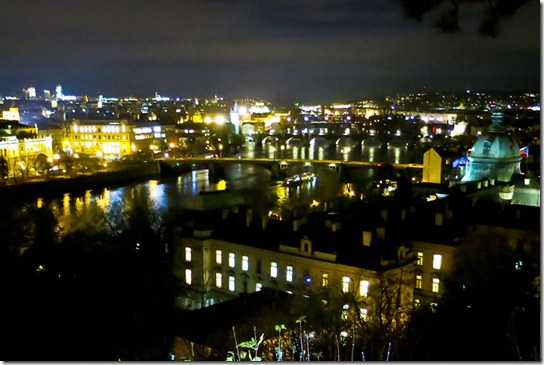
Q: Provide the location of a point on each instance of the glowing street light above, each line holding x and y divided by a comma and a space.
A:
220, 150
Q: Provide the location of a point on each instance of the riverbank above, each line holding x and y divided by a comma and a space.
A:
55, 187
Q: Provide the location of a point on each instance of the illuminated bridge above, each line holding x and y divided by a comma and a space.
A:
273, 164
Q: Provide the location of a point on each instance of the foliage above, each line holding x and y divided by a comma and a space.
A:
490, 310
494, 12
41, 165
87, 295
254, 345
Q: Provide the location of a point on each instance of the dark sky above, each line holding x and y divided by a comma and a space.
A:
313, 51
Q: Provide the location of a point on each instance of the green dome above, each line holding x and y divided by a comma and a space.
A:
494, 155
496, 145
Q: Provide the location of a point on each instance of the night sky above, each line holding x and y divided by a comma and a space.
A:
312, 51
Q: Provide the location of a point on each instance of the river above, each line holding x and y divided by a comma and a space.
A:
165, 196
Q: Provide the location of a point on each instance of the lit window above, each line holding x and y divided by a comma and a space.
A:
420, 258
245, 263
188, 276
364, 287
218, 280
258, 287
519, 265
325, 280
364, 313
345, 284
232, 260
232, 283
274, 269
419, 281
436, 285
188, 254
218, 257
437, 262
417, 302
289, 274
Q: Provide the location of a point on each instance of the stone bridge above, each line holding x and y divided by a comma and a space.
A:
277, 167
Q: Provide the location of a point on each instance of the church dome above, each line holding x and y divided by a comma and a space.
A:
494, 155
496, 145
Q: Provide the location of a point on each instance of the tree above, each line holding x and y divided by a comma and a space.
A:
103, 296
4, 169
41, 165
490, 309
494, 12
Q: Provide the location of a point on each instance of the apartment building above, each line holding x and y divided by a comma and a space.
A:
242, 253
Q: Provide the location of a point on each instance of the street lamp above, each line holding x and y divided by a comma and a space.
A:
220, 150
282, 147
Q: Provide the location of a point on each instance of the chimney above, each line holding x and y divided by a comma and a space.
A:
485, 183
367, 238
492, 181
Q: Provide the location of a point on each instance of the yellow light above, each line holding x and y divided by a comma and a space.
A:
207, 120
56, 156
220, 119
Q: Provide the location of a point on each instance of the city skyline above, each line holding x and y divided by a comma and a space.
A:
312, 52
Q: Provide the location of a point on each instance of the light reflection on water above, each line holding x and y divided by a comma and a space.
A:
160, 196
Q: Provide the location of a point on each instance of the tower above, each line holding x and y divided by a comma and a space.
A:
235, 118
495, 155
58, 92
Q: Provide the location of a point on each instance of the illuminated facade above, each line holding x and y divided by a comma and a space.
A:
112, 138
12, 114
433, 262
20, 154
212, 270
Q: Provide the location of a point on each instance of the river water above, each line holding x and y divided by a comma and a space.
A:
165, 196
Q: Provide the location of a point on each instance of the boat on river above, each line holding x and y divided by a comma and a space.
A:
298, 179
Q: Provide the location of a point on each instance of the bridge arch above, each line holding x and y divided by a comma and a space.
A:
269, 139
319, 141
371, 142
397, 141
345, 142
293, 140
